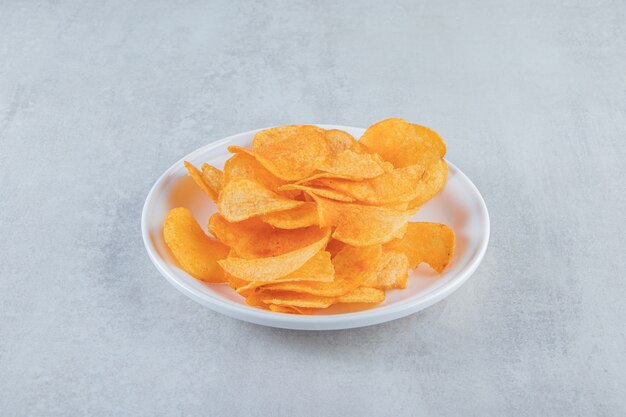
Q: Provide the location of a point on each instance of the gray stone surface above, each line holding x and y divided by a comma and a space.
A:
98, 98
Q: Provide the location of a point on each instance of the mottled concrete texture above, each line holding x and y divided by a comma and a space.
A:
98, 98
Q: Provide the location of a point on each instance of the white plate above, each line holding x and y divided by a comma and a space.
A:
459, 205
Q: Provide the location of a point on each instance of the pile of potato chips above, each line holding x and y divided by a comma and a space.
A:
309, 217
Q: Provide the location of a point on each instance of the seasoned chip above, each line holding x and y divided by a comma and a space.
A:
432, 243
399, 186
213, 178
339, 141
288, 309
334, 246
392, 271
363, 295
293, 158
295, 218
321, 191
352, 267
244, 166
352, 165
278, 134
252, 238
241, 199
403, 143
200, 181
359, 225
196, 253
294, 299
437, 173
275, 267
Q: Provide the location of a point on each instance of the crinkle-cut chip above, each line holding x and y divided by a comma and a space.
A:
253, 238
392, 271
199, 180
244, 166
339, 141
278, 134
319, 268
213, 177
399, 186
363, 295
321, 191
286, 298
437, 174
359, 225
352, 267
403, 143
353, 165
432, 243
275, 267
290, 159
295, 218
196, 252
242, 199
292, 309
334, 246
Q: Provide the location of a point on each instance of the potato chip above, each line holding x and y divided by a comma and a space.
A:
244, 166
255, 300
241, 199
392, 271
253, 238
321, 191
293, 158
199, 180
294, 299
359, 225
362, 295
339, 141
275, 267
334, 246
432, 243
353, 165
403, 144
213, 178
352, 267
399, 186
196, 253
437, 174
278, 134
295, 218
291, 309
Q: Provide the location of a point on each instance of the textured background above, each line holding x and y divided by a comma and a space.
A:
97, 99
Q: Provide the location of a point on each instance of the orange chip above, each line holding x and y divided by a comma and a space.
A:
196, 253
255, 300
244, 166
275, 267
197, 176
291, 309
359, 225
293, 158
294, 299
363, 295
241, 199
295, 218
278, 134
403, 143
334, 246
432, 243
339, 141
253, 238
399, 186
321, 191
437, 173
392, 271
213, 177
352, 165
352, 265
319, 268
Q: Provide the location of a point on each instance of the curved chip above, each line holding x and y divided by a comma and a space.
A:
241, 199
339, 141
196, 253
353, 266
432, 243
294, 299
288, 309
275, 267
363, 295
295, 218
398, 186
253, 238
403, 143
392, 271
213, 178
244, 166
293, 158
280, 133
359, 225
437, 174
321, 191
352, 165
199, 180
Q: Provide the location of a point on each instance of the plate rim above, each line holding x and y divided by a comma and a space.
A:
363, 318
